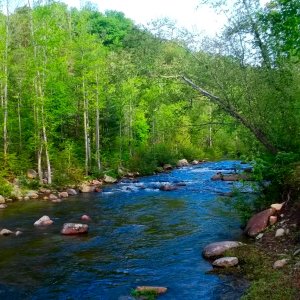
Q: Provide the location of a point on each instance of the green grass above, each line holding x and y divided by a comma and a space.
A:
145, 295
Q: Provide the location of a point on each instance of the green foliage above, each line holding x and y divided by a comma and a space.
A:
146, 295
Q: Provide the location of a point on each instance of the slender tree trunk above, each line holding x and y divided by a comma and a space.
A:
97, 125
5, 94
40, 170
86, 129
20, 123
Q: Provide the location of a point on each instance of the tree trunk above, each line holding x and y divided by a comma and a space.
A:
97, 125
227, 107
5, 94
86, 129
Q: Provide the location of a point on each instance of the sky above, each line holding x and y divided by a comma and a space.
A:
185, 13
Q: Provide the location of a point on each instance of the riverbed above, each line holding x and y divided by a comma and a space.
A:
139, 235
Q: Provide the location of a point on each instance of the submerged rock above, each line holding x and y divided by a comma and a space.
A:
74, 228
218, 248
2, 206
259, 222
167, 188
43, 221
226, 262
154, 289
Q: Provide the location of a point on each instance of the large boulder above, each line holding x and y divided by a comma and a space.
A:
109, 179
225, 262
218, 176
52, 197
259, 222
43, 221
2, 200
74, 228
218, 248
87, 188
182, 163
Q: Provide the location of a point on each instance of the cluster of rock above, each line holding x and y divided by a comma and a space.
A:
67, 229
215, 250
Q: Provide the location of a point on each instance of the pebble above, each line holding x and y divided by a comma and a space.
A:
259, 236
280, 263
279, 232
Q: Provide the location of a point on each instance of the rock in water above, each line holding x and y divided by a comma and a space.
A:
167, 167
226, 262
87, 188
154, 289
63, 195
259, 222
109, 179
71, 192
5, 232
182, 163
218, 248
43, 221
86, 218
2, 200
74, 228
167, 188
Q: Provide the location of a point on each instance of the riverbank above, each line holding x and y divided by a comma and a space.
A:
270, 260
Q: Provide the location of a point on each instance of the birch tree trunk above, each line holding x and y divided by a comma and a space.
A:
97, 140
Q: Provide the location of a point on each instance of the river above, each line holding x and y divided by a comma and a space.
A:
139, 235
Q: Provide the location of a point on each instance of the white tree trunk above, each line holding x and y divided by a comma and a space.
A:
97, 125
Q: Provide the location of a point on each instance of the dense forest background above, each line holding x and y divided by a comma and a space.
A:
84, 92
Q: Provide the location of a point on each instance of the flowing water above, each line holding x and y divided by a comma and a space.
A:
139, 235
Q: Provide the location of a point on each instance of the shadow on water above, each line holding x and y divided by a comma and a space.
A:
138, 236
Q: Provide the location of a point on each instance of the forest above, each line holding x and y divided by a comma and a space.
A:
85, 93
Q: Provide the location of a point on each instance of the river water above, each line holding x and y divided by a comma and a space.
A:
139, 235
